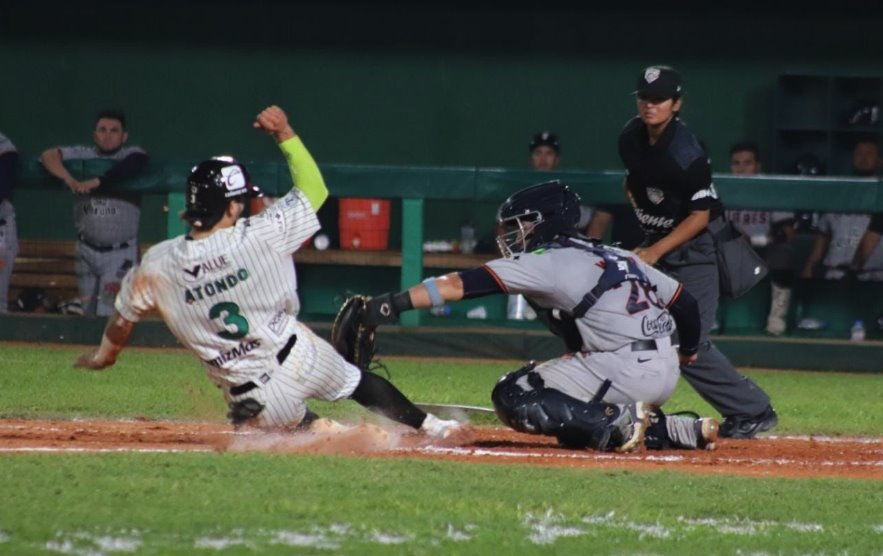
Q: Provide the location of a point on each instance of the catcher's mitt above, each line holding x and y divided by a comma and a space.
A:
350, 336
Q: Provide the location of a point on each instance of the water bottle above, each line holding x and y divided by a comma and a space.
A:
467, 238
517, 308
857, 332
441, 311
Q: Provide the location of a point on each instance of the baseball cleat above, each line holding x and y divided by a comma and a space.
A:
741, 426
634, 432
434, 427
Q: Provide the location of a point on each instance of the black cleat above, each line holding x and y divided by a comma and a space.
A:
743, 426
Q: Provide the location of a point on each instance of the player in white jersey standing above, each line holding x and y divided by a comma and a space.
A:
8, 230
615, 313
227, 291
771, 233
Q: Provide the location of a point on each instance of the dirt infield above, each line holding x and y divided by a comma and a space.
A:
798, 457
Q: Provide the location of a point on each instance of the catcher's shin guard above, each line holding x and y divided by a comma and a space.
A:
541, 410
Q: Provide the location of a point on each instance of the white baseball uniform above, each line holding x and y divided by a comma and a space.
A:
845, 231
231, 298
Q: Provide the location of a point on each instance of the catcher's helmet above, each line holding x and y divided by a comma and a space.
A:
537, 214
211, 185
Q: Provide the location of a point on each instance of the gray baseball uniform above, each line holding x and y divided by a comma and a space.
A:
757, 223
231, 299
845, 231
8, 231
625, 333
107, 228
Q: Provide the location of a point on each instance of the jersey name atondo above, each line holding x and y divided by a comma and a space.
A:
232, 297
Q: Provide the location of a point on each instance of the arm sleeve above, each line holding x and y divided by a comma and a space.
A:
126, 168
876, 224
304, 172
698, 185
479, 282
8, 170
685, 311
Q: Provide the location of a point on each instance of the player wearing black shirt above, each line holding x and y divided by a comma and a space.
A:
668, 181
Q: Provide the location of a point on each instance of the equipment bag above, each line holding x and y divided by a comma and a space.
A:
740, 268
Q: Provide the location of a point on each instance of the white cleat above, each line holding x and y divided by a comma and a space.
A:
434, 427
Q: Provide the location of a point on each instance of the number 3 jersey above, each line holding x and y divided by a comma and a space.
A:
232, 297
615, 297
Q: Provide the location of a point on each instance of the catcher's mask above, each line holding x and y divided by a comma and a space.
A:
535, 215
211, 185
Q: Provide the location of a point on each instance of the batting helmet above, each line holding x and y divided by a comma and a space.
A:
537, 214
211, 185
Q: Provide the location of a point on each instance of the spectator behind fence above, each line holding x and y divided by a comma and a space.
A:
839, 234
771, 233
106, 221
8, 231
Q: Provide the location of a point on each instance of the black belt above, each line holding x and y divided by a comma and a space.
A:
104, 248
281, 356
644, 345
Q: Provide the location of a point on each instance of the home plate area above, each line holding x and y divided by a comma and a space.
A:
774, 456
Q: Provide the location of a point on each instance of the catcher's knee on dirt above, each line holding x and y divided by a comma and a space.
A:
541, 410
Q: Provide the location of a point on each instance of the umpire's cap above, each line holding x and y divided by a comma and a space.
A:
547, 139
659, 82
211, 185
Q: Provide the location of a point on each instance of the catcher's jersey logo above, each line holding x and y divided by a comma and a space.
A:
655, 195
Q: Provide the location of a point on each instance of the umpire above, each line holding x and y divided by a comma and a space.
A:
668, 182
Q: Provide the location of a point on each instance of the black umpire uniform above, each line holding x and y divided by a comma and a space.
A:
667, 181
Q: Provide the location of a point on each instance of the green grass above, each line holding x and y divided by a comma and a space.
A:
39, 381
250, 503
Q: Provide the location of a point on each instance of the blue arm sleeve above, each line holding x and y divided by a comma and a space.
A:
479, 282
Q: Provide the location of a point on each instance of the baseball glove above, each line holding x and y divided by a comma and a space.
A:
350, 336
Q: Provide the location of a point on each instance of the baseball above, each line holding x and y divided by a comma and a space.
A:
321, 242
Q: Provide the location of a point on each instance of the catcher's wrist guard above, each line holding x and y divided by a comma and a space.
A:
385, 309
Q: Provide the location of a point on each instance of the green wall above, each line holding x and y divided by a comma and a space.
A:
385, 84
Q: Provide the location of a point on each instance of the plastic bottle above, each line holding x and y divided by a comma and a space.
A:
857, 332
442, 311
467, 238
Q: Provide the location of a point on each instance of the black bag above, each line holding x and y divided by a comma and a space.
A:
740, 268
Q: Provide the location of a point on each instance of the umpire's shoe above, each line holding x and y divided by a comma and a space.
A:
744, 426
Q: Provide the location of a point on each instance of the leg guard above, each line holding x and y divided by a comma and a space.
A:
541, 410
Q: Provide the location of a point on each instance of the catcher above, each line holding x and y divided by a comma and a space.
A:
615, 313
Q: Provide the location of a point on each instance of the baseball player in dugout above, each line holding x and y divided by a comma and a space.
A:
771, 233
106, 221
614, 312
8, 231
668, 182
227, 291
